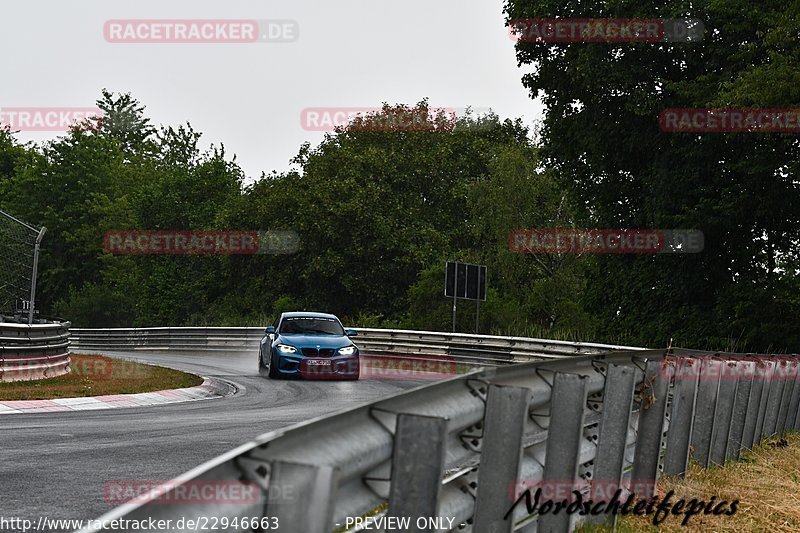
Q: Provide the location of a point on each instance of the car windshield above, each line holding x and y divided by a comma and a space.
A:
311, 326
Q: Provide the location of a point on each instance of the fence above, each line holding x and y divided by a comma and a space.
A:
468, 448
29, 352
19, 262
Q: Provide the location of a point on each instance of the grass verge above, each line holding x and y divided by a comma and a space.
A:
766, 481
98, 375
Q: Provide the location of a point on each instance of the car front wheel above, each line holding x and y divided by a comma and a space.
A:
265, 368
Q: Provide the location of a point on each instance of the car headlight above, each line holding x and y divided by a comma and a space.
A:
285, 348
347, 350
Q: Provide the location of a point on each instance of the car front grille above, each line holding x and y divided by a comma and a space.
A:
322, 352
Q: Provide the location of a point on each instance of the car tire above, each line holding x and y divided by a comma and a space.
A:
266, 371
273, 374
263, 370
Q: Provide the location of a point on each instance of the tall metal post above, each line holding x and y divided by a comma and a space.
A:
455, 294
36, 248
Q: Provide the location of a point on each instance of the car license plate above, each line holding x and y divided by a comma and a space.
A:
318, 362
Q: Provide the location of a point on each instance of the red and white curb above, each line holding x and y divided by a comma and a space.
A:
211, 388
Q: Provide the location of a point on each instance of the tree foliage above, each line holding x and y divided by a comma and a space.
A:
601, 136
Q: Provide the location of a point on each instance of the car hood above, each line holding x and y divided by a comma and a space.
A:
312, 341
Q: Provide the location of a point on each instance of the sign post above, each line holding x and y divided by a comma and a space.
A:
455, 301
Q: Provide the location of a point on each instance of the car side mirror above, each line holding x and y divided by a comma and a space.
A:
351, 333
270, 330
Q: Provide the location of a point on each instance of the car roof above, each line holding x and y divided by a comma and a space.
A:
294, 314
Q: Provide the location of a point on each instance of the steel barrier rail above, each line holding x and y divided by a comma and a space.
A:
467, 448
35, 351
475, 349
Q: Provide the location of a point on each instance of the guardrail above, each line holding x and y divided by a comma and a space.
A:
468, 450
473, 349
34, 351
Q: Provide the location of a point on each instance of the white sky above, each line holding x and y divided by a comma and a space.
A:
350, 53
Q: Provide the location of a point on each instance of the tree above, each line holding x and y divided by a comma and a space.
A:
374, 208
601, 134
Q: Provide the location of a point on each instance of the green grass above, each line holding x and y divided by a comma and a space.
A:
766, 480
98, 375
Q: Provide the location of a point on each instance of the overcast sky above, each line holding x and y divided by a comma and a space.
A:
250, 96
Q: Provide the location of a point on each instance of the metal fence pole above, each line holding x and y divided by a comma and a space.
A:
564, 436
501, 454
681, 418
417, 467
35, 272
613, 436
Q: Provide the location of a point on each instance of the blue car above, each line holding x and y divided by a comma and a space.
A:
308, 345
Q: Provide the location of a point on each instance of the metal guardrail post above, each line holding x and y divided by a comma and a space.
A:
564, 436
753, 404
316, 485
684, 396
501, 454
723, 413
741, 403
612, 439
706, 404
657, 379
417, 467
774, 400
763, 372
783, 400
788, 389
796, 425
794, 401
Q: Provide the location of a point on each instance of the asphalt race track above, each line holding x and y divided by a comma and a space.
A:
56, 464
